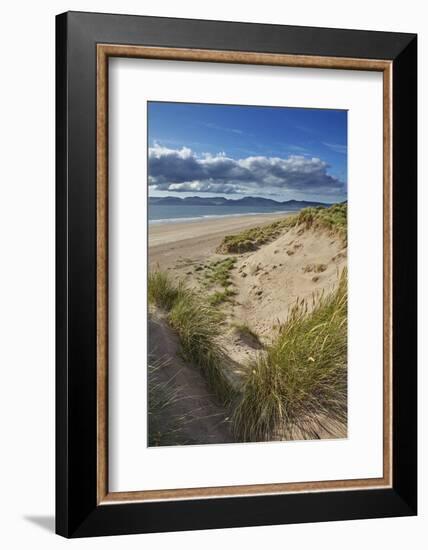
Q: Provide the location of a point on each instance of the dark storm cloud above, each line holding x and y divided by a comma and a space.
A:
182, 170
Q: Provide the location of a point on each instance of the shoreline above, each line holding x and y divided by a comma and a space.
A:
175, 231
208, 217
198, 239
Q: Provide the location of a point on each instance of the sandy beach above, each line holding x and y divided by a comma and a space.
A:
197, 239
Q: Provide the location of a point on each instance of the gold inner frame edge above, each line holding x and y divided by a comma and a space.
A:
104, 51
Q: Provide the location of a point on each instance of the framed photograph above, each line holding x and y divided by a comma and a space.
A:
236, 274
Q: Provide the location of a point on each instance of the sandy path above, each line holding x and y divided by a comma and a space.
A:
204, 420
197, 239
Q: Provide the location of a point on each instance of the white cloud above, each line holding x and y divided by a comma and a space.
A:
182, 170
159, 151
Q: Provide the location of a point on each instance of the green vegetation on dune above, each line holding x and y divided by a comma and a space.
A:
296, 387
218, 273
162, 292
197, 324
300, 382
333, 218
164, 428
221, 296
251, 239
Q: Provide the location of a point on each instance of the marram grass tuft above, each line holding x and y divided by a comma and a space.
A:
298, 385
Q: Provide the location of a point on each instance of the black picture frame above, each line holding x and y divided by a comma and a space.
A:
77, 511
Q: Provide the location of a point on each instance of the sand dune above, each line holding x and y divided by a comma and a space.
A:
266, 282
270, 280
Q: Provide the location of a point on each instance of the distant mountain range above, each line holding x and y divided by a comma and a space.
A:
245, 201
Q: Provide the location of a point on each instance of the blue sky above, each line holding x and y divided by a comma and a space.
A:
234, 151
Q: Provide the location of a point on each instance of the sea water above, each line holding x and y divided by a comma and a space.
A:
159, 213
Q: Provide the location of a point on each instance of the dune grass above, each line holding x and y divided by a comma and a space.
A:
333, 218
197, 324
252, 238
162, 292
164, 427
218, 273
220, 296
299, 384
